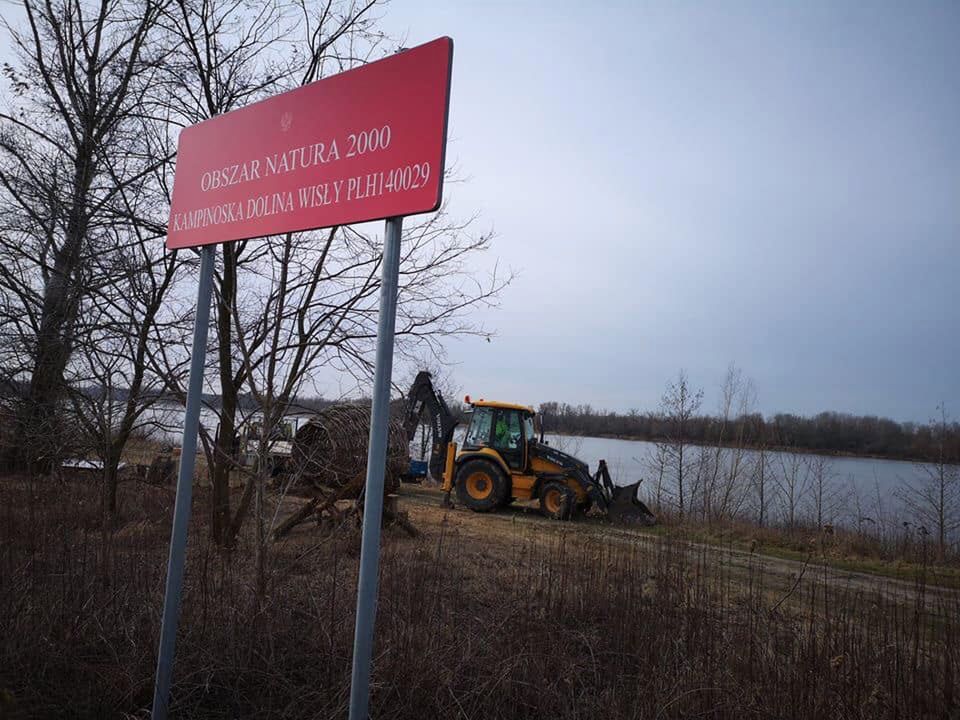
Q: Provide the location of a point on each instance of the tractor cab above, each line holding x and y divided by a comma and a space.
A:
504, 428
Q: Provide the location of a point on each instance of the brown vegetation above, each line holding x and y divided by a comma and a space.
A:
898, 556
480, 617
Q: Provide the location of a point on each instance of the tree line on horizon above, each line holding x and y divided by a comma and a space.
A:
826, 432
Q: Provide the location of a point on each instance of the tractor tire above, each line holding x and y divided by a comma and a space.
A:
481, 485
557, 500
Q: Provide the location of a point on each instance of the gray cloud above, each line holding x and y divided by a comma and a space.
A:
683, 185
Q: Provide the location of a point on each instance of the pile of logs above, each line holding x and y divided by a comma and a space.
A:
329, 455
330, 452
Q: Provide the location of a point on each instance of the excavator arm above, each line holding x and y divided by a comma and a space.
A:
422, 399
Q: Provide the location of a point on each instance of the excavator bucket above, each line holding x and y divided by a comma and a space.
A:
626, 509
624, 506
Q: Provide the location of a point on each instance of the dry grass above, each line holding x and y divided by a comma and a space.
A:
901, 556
477, 619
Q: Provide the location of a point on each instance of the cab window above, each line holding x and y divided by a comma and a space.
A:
481, 422
529, 431
506, 431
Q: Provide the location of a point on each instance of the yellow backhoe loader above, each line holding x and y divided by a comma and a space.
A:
501, 459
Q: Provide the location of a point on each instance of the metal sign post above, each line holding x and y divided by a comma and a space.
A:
376, 466
365, 144
181, 509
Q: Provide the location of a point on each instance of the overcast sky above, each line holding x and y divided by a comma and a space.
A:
683, 185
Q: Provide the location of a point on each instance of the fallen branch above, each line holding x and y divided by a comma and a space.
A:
314, 507
795, 584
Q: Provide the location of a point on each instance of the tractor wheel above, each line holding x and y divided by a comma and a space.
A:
557, 500
481, 485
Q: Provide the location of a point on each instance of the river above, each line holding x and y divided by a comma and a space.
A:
857, 491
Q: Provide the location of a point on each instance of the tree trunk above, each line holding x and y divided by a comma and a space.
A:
40, 414
109, 494
941, 487
220, 472
243, 507
680, 472
260, 561
223, 454
762, 488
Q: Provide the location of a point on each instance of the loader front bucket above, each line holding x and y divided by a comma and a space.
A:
626, 509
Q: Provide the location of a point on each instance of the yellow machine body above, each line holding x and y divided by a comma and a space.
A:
525, 476
500, 459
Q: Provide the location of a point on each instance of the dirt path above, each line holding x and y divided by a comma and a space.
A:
780, 576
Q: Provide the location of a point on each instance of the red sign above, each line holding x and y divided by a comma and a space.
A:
363, 145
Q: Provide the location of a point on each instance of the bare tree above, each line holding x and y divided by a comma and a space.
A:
792, 484
77, 89
229, 57
288, 305
762, 483
657, 462
933, 497
113, 386
735, 490
728, 394
698, 485
679, 405
858, 512
724, 492
824, 495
